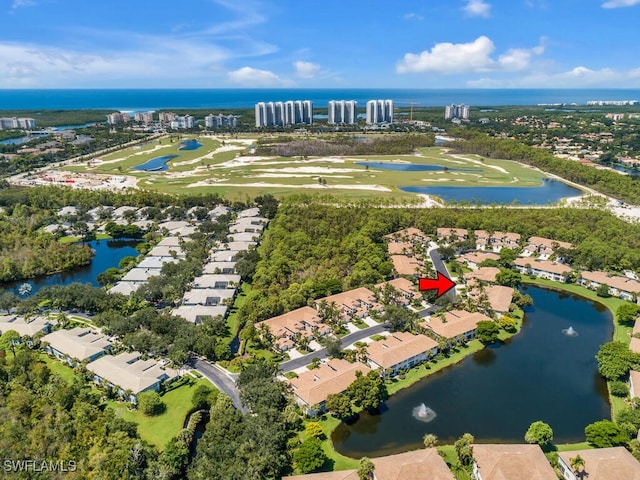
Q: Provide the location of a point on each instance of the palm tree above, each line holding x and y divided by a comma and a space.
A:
365, 469
577, 465
429, 440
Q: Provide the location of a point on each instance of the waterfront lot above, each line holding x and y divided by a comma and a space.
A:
227, 166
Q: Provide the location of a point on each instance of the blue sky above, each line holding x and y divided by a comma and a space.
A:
328, 44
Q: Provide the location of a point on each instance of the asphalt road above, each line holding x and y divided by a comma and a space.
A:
223, 381
322, 353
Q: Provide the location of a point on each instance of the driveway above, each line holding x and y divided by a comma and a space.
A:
222, 380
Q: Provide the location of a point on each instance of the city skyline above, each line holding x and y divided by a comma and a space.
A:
266, 44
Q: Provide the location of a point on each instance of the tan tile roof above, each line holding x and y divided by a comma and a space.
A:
404, 286
407, 234
479, 257
634, 345
547, 242
623, 284
457, 323
333, 377
398, 347
399, 248
416, 465
360, 300
634, 379
405, 265
292, 322
544, 265
512, 462
606, 463
446, 232
636, 326
485, 274
500, 297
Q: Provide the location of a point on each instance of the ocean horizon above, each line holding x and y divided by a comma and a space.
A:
129, 99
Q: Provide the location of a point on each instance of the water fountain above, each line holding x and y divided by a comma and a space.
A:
570, 332
423, 413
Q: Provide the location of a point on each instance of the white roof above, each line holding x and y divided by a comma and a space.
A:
223, 256
249, 212
236, 246
120, 211
70, 210
207, 296
166, 252
140, 274
173, 225
194, 313
214, 281
218, 211
170, 242
24, 327
79, 343
129, 372
244, 236
156, 262
218, 267
125, 288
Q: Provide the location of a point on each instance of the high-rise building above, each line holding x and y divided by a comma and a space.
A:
14, 122
118, 117
167, 117
288, 113
144, 117
181, 123
456, 111
217, 121
379, 111
342, 111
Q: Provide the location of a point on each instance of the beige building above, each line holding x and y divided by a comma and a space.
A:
615, 463
352, 303
285, 328
456, 325
401, 350
77, 345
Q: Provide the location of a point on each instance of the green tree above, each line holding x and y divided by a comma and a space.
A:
464, 449
314, 429
577, 464
429, 440
203, 397
627, 313
487, 331
333, 346
8, 340
309, 456
150, 403
615, 360
603, 291
366, 469
605, 433
368, 391
539, 432
339, 405
508, 278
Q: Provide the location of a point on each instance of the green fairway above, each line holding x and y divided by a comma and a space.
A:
226, 166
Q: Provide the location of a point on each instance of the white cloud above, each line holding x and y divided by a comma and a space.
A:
477, 8
306, 69
253, 77
413, 16
450, 58
23, 3
620, 3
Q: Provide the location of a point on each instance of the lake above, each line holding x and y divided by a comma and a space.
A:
192, 144
157, 164
551, 191
108, 254
496, 393
413, 167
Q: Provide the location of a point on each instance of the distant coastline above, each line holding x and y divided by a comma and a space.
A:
155, 99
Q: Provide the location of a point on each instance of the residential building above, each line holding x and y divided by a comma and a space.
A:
216, 281
406, 290
223, 268
292, 112
76, 345
558, 272
285, 329
209, 296
400, 351
118, 117
482, 274
623, 287
400, 248
312, 388
455, 325
379, 111
500, 298
496, 241
140, 275
416, 465
473, 259
182, 123
460, 112
634, 384
167, 117
342, 112
512, 462
25, 327
144, 117
219, 121
405, 265
634, 345
358, 303
543, 248
611, 463
130, 374
411, 234
198, 313
452, 234
15, 122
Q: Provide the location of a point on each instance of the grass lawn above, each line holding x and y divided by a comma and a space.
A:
58, 368
233, 321
449, 455
158, 430
336, 460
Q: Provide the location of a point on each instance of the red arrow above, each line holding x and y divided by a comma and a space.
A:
442, 284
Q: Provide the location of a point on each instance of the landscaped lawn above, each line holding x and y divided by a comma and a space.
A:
158, 430
58, 368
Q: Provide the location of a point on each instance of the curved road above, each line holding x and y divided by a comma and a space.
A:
224, 381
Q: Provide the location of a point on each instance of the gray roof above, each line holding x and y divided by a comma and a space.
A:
166, 252
223, 256
170, 242
207, 296
120, 211
216, 281
140, 274
194, 313
219, 267
129, 372
244, 236
70, 210
125, 288
156, 262
78, 343
249, 212
24, 327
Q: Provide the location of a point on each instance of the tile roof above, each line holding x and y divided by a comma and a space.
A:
398, 347
612, 463
512, 462
457, 322
78, 343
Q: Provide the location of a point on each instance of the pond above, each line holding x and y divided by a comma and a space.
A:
108, 254
157, 164
413, 167
628, 170
551, 191
495, 394
192, 144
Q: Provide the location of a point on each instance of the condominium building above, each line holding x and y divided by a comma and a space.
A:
183, 122
343, 111
144, 117
379, 111
217, 121
167, 117
14, 122
118, 117
284, 113
456, 111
